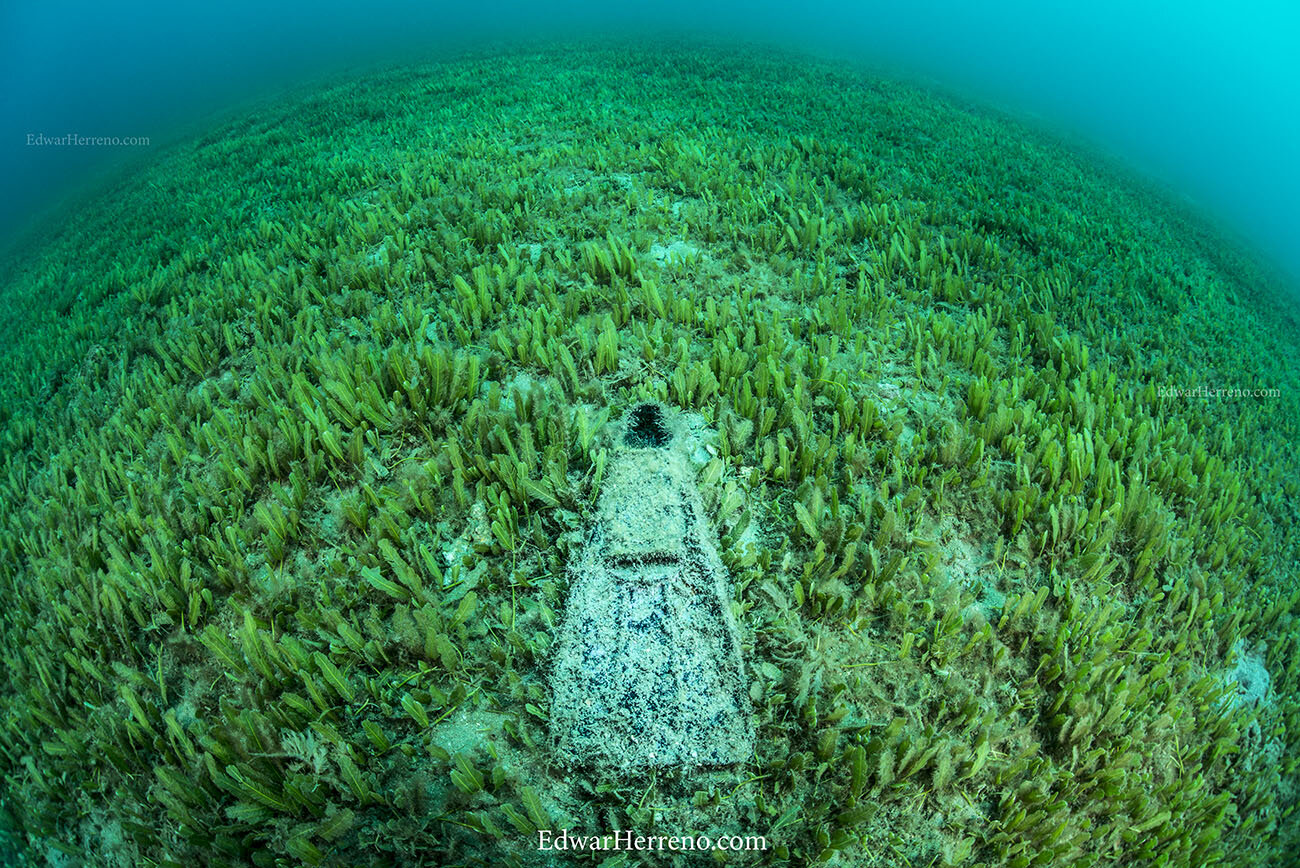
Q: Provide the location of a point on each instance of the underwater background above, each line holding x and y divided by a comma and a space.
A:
1204, 96
974, 329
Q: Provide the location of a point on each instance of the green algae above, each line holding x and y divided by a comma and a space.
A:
293, 475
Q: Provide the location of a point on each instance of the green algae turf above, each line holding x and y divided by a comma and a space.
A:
302, 424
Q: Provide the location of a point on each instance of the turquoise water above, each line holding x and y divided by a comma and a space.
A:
1205, 96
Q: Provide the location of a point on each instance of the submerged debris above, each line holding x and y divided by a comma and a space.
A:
648, 671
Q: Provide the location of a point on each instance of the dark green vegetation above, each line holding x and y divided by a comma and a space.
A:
299, 423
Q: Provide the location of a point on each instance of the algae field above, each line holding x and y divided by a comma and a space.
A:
306, 424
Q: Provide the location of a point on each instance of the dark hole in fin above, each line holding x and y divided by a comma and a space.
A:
646, 428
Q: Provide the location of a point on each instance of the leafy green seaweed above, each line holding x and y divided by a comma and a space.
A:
292, 480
